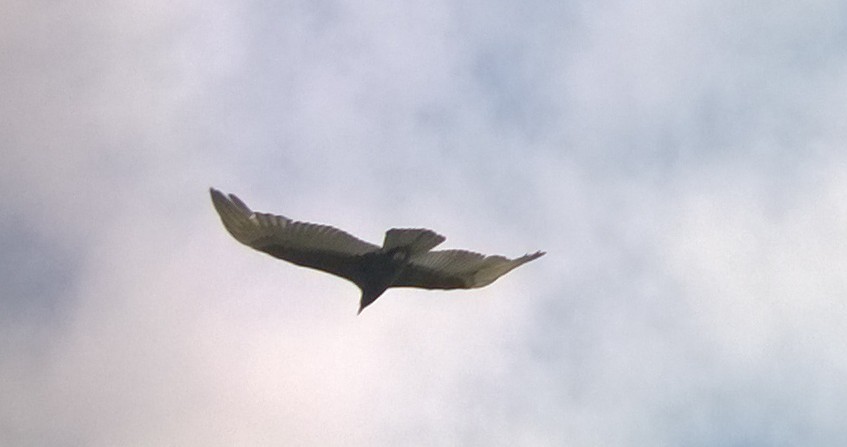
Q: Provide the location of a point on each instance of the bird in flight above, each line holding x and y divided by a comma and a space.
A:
406, 258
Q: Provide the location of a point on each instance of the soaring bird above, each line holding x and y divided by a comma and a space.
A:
405, 259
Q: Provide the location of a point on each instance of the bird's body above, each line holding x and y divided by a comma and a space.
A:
405, 259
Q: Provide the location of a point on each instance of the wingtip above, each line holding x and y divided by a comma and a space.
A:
534, 256
217, 196
240, 203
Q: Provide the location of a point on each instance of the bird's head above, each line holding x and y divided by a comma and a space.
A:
368, 297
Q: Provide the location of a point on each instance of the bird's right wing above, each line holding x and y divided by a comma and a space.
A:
457, 269
310, 245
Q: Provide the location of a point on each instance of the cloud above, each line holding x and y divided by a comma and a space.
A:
681, 165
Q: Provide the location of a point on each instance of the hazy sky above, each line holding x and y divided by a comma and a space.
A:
682, 163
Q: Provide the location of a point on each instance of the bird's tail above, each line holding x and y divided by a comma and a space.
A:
416, 240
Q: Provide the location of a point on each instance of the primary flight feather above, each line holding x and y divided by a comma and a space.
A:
405, 259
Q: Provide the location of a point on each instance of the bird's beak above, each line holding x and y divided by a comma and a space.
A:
362, 307
367, 300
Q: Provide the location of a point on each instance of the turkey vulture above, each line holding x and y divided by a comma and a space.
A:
404, 260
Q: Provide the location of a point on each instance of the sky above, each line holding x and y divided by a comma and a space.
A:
683, 165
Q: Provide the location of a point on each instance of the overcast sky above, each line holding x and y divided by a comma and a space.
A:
682, 163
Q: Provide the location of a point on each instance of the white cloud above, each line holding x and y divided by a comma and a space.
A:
681, 164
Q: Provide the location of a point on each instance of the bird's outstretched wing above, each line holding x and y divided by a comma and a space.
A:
310, 245
457, 269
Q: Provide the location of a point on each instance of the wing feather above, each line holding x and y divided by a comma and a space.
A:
457, 269
320, 247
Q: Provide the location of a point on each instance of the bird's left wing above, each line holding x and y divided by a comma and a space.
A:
311, 245
457, 269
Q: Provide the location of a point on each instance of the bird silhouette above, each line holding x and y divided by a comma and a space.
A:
405, 259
